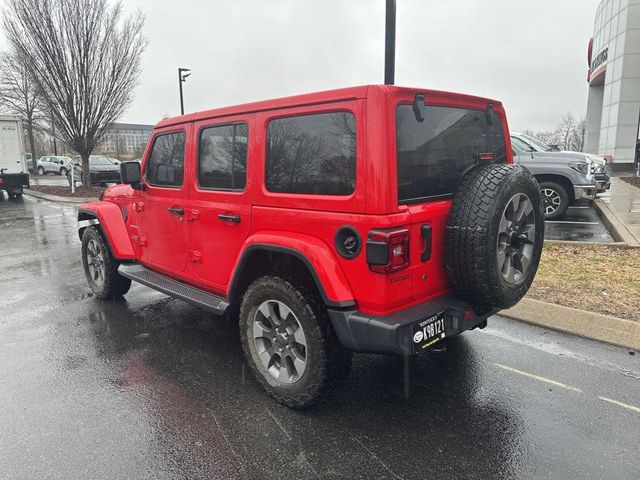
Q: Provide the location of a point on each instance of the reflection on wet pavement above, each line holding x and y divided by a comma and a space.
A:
150, 387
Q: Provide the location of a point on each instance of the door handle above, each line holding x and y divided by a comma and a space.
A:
229, 218
426, 234
176, 211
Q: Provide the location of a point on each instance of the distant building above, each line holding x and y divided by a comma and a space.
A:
613, 108
125, 140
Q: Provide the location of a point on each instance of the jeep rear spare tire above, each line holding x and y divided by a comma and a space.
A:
494, 236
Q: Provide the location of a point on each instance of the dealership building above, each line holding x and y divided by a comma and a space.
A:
613, 107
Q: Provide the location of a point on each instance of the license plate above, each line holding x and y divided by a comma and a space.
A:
428, 332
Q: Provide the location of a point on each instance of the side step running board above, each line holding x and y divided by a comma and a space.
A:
174, 288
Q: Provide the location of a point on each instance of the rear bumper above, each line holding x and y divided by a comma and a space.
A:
393, 333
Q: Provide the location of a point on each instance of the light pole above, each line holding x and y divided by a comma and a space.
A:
182, 77
390, 43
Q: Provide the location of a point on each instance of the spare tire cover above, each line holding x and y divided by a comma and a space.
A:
494, 237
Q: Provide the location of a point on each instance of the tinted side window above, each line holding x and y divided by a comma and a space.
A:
166, 162
222, 157
313, 154
433, 155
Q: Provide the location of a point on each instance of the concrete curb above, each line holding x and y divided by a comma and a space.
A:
55, 198
616, 331
612, 222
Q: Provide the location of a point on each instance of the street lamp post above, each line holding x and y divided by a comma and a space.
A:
182, 77
390, 43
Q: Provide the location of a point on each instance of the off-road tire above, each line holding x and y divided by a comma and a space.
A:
564, 199
472, 235
114, 285
328, 362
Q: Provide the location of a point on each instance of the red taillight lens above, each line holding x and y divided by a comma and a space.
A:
388, 250
1, 181
486, 156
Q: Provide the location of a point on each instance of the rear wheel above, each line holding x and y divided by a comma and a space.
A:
555, 200
40, 170
63, 171
101, 268
289, 342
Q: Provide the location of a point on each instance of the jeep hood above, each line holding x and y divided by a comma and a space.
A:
566, 157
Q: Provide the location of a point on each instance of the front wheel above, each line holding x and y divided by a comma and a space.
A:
101, 268
289, 342
555, 200
63, 171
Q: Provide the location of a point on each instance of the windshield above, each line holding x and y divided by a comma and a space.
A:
537, 145
520, 146
97, 160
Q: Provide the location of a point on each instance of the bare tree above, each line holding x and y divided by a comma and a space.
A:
566, 130
18, 95
568, 135
84, 59
578, 135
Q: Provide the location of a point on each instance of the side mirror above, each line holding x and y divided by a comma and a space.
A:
130, 174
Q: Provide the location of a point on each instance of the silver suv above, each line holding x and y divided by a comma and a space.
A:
53, 164
564, 177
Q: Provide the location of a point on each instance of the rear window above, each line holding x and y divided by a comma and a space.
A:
312, 154
433, 155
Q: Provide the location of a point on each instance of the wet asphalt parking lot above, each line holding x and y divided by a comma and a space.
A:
150, 387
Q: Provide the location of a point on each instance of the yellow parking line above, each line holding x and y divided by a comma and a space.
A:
620, 404
537, 377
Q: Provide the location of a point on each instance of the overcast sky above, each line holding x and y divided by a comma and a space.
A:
530, 54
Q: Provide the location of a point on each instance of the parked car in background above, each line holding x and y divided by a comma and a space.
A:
115, 161
599, 168
101, 169
563, 177
53, 164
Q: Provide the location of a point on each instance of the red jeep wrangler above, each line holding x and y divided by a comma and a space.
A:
367, 219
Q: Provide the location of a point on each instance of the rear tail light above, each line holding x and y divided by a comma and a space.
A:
486, 156
388, 250
1, 181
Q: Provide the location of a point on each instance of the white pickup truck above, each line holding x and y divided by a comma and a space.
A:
14, 176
